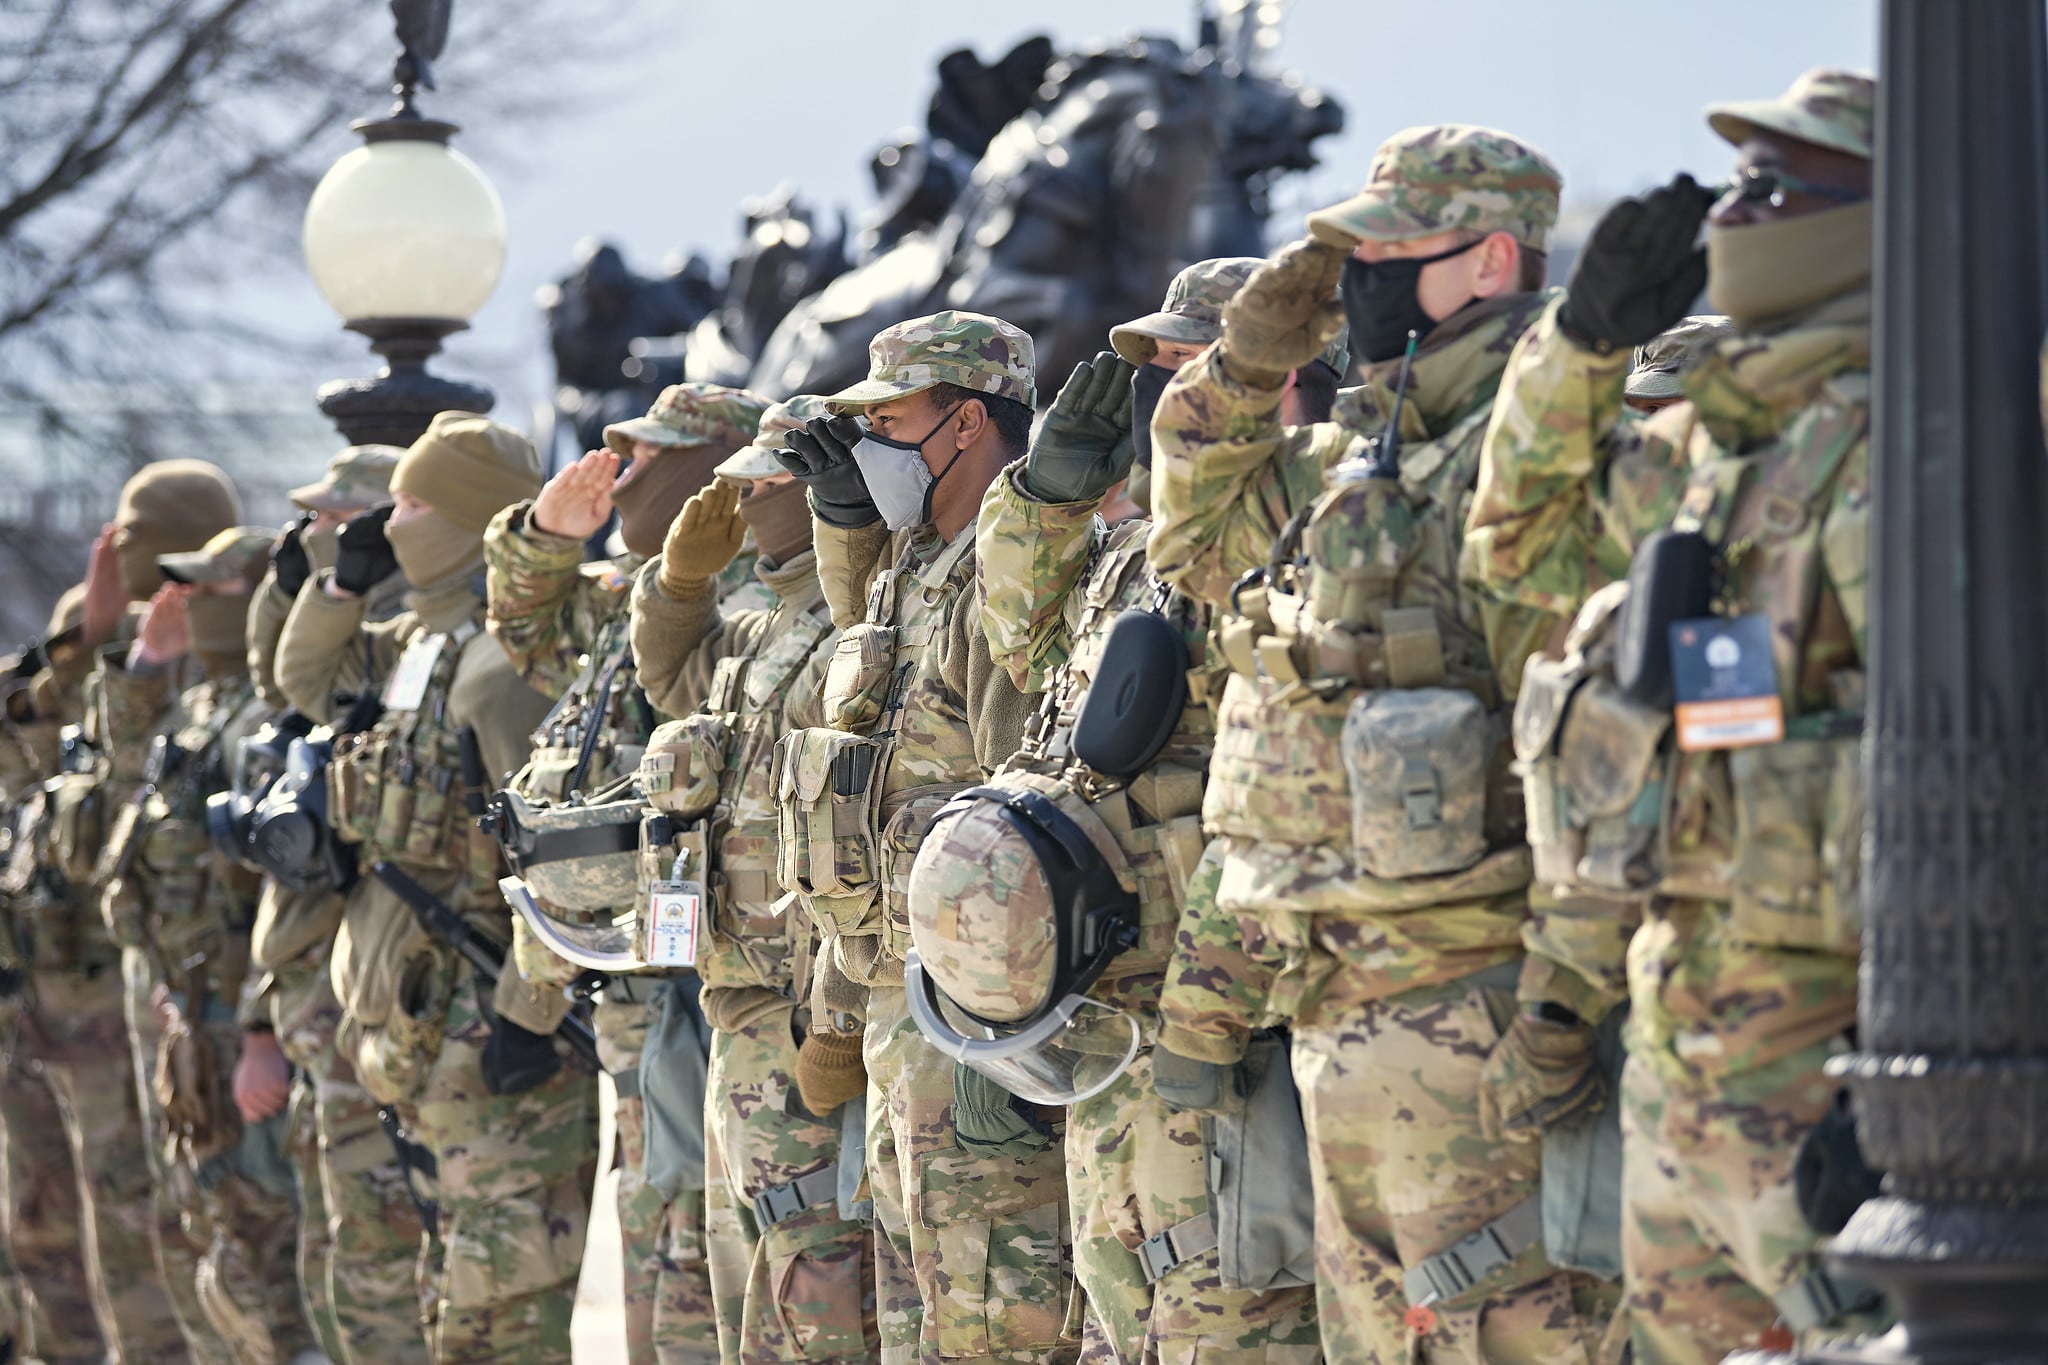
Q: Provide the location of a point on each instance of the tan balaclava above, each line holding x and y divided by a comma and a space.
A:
468, 469
167, 508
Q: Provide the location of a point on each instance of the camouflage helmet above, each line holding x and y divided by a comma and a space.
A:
759, 460
1019, 901
357, 479
1443, 177
1660, 361
238, 554
1828, 107
977, 352
692, 415
1192, 312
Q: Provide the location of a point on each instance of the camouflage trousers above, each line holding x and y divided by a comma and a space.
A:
78, 1192
513, 1182
224, 1243
1135, 1169
670, 1317
986, 1237
1723, 1082
1390, 1096
359, 1230
801, 1289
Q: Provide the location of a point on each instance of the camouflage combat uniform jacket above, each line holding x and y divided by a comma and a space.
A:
1769, 457
1377, 608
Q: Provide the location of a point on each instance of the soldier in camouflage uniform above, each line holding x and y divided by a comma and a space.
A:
564, 623
1054, 581
471, 1073
356, 1249
1743, 976
182, 914
1368, 841
72, 1035
971, 1245
793, 1277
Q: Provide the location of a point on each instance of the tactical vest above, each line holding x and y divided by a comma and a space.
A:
179, 899
398, 788
857, 794
1362, 713
716, 768
1772, 829
1156, 816
597, 731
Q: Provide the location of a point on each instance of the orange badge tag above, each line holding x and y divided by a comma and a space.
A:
1421, 1319
1726, 682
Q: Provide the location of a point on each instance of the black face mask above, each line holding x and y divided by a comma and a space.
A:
1380, 303
1147, 386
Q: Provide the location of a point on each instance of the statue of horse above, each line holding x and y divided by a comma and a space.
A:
594, 315
1125, 162
783, 258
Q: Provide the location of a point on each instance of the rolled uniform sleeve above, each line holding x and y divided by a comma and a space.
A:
535, 590
1033, 557
1227, 476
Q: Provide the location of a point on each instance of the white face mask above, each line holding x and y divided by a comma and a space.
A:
898, 478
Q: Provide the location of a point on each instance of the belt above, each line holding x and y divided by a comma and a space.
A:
1177, 1245
1821, 1298
780, 1203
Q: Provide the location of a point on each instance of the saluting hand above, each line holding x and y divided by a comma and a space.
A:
1286, 314
578, 500
702, 539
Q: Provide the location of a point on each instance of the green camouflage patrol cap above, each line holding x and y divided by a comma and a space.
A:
1827, 107
758, 460
975, 351
237, 554
1450, 175
692, 415
1193, 311
357, 479
1661, 360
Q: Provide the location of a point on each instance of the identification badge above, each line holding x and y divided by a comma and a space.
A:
1726, 682
673, 909
407, 686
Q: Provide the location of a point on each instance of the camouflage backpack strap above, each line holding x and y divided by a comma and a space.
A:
771, 674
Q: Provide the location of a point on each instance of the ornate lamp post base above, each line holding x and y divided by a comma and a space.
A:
395, 406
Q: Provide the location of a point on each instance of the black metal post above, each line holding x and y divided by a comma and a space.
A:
1951, 1085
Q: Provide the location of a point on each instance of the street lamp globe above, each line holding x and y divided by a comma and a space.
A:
405, 228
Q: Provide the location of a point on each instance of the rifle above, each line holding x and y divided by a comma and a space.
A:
487, 957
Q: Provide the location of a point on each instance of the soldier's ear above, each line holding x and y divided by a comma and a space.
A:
1498, 266
973, 420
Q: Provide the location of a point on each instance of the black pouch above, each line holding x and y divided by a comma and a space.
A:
1136, 697
1671, 579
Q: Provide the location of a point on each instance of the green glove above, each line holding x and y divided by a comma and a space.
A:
1540, 1073
1193, 1087
1084, 444
1285, 315
988, 1121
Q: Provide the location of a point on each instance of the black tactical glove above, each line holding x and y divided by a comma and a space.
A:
821, 455
1830, 1178
363, 558
1084, 444
517, 1060
288, 557
1191, 1086
1639, 271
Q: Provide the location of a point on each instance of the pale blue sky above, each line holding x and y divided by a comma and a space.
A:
707, 103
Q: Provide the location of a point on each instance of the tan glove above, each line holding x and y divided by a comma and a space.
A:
829, 1071
702, 540
1539, 1074
1285, 315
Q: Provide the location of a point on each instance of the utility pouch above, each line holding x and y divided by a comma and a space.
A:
683, 765
1611, 760
1265, 1227
1581, 1185
857, 678
903, 833
673, 1067
1671, 579
1418, 762
353, 786
1556, 839
825, 791
78, 825
1798, 816
191, 1092
1135, 700
394, 1060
